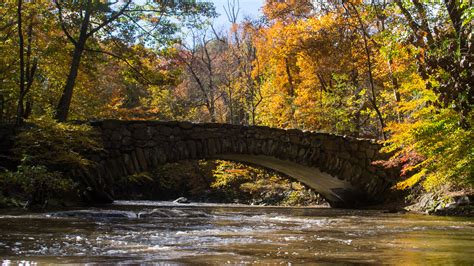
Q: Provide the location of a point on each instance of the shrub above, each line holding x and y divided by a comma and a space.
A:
231, 175
58, 146
34, 184
249, 184
435, 150
48, 150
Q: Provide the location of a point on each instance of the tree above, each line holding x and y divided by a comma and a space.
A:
27, 64
433, 138
86, 30
222, 72
445, 50
242, 70
351, 9
200, 61
86, 18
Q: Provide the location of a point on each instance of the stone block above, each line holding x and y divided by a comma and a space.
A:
142, 133
211, 147
136, 165
128, 162
295, 139
164, 130
127, 141
110, 124
191, 145
152, 159
226, 145
182, 150
301, 154
116, 136
343, 155
199, 149
185, 125
141, 158
176, 131
370, 153
160, 155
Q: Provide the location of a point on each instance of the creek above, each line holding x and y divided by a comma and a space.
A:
202, 233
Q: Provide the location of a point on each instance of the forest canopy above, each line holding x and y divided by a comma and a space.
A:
398, 71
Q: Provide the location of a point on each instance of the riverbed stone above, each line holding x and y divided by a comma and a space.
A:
97, 214
171, 213
181, 200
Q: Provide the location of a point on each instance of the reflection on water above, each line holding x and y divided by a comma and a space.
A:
219, 234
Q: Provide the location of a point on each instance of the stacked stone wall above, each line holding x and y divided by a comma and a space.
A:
131, 147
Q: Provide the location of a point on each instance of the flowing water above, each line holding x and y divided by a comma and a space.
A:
167, 233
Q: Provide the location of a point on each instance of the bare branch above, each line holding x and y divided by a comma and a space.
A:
123, 60
411, 22
108, 21
232, 10
62, 24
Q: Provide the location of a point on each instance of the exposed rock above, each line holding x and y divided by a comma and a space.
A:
462, 201
96, 194
171, 213
396, 210
444, 205
181, 200
458, 206
101, 214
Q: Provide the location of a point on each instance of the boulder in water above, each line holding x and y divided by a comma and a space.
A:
181, 200
99, 214
395, 210
170, 213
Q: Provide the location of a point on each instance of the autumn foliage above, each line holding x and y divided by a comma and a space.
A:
397, 71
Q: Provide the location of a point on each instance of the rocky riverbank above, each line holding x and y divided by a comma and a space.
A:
453, 204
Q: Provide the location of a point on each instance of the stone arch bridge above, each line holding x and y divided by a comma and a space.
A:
339, 168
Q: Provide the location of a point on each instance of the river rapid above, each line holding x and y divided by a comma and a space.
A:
169, 233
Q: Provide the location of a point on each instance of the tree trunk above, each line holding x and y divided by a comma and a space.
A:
28, 108
357, 114
62, 110
396, 88
19, 113
212, 109
373, 99
372, 88
2, 106
290, 77
231, 106
29, 71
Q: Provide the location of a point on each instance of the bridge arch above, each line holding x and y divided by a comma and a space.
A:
339, 168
